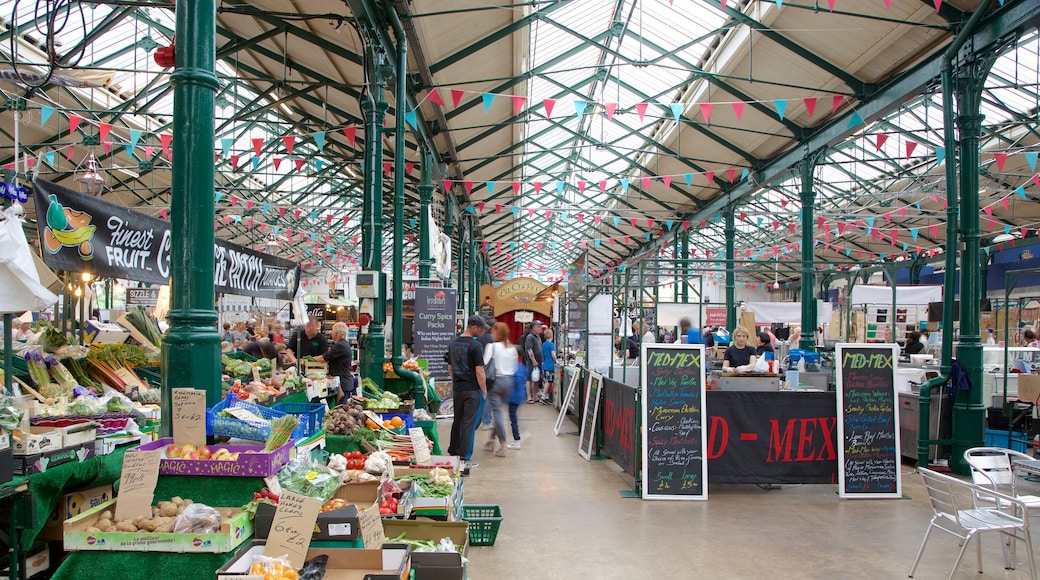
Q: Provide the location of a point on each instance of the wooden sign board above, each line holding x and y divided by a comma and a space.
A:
868, 421
137, 484
292, 527
674, 445
572, 387
589, 420
189, 416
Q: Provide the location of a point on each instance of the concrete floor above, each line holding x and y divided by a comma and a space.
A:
564, 518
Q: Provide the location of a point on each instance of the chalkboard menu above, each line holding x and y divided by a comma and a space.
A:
587, 437
868, 421
674, 464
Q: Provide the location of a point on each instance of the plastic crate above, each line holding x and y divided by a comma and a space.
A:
152, 375
311, 415
238, 428
484, 521
409, 422
998, 438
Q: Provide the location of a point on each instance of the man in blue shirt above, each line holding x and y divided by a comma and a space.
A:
687, 333
549, 361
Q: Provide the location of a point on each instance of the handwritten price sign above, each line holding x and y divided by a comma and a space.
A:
189, 416
292, 527
137, 484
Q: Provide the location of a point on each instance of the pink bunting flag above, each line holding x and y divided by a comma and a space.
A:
888, 217
603, 186
731, 174
989, 210
447, 185
581, 186
299, 164
1036, 179
434, 96
830, 4
387, 166
598, 219
821, 222
516, 188
610, 108
250, 203
646, 182
710, 176
888, 4
518, 103
628, 239
934, 229
351, 134
162, 213
706, 111
1001, 159
902, 211
148, 151
641, 110
650, 223
810, 105
991, 224
103, 131
881, 138
738, 108
667, 179
938, 4
164, 141
537, 187
480, 206
277, 163
289, 141
530, 212
549, 104
258, 142
910, 146
234, 201
836, 102
783, 203
792, 226
409, 166
581, 218
456, 97
74, 121
1004, 202
498, 208
328, 220
633, 221
107, 145
468, 186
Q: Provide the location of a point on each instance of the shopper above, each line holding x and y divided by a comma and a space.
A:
913, 344
687, 333
499, 392
227, 334
276, 333
549, 362
24, 331
648, 334
740, 356
239, 336
261, 348
469, 390
339, 359
518, 397
533, 353
485, 340
709, 337
306, 341
1029, 338
765, 344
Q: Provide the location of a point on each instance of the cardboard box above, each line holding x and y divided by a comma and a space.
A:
431, 503
390, 562
78, 434
40, 462
344, 524
74, 504
433, 565
257, 463
109, 444
1028, 387
104, 333
233, 531
37, 440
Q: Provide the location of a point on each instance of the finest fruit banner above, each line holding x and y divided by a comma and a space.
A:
80, 233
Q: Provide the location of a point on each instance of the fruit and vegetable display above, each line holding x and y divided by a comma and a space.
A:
145, 324
112, 365
437, 483
175, 516
273, 569
204, 453
346, 418
377, 398
310, 479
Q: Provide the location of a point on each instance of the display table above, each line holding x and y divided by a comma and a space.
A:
343, 443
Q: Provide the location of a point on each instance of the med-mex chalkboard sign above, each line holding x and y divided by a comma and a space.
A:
674, 456
868, 421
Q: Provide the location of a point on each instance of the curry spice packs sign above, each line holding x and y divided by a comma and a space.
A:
79, 232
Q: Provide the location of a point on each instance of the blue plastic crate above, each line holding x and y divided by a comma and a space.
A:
998, 438
409, 422
311, 415
242, 429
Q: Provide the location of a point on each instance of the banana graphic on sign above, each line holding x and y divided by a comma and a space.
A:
68, 228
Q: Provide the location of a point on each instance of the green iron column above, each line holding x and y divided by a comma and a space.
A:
731, 277
810, 319
471, 273
683, 254
425, 231
191, 349
969, 410
374, 106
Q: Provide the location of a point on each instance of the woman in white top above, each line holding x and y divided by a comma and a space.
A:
505, 367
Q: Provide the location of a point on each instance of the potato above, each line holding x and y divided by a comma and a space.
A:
164, 529
187, 502
167, 509
126, 526
148, 525
177, 500
108, 528
105, 515
93, 529
155, 511
138, 521
103, 524
180, 510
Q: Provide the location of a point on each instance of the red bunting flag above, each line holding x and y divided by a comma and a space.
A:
881, 138
74, 121
910, 146
888, 217
706, 111
641, 110
731, 173
456, 97
1036, 179
516, 188
258, 143
434, 96
518, 103
480, 206
821, 222
346, 220
250, 203
468, 186
610, 108
1004, 202
1001, 159
409, 166
836, 102
537, 187
810, 105
387, 167
498, 208
743, 216
277, 163
650, 224
299, 164
934, 229
738, 108
938, 4
710, 175
549, 104
633, 221
289, 141
792, 226
351, 134
667, 179
234, 201
902, 211
783, 203
104, 128
686, 225
162, 213
281, 212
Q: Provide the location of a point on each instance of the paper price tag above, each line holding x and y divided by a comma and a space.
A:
189, 416
240, 413
292, 527
137, 484
420, 445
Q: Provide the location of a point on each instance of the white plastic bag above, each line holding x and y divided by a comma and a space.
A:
761, 365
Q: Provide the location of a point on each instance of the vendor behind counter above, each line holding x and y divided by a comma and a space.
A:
740, 356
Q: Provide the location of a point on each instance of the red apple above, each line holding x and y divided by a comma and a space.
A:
173, 451
205, 452
190, 455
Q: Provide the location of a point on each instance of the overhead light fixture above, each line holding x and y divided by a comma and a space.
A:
272, 242
92, 180
1004, 238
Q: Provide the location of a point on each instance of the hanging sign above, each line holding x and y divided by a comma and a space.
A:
142, 296
868, 421
434, 327
674, 457
79, 232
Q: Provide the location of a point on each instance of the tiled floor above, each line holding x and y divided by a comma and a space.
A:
565, 518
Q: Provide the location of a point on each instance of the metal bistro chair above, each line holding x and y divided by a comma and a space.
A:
992, 467
956, 513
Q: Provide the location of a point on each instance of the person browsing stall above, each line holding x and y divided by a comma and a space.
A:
469, 388
339, 358
913, 344
764, 344
740, 356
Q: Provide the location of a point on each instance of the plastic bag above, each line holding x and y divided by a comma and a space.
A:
761, 365
309, 479
272, 568
10, 415
197, 518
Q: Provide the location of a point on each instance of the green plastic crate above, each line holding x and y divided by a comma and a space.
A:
484, 521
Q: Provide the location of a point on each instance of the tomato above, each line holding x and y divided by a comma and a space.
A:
355, 455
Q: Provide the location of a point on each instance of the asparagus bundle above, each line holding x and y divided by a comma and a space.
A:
281, 431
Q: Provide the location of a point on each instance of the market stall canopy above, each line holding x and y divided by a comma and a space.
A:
20, 287
906, 295
787, 312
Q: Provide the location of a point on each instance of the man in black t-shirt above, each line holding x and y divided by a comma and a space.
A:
307, 341
469, 389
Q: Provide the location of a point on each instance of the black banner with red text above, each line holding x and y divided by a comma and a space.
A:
771, 437
617, 424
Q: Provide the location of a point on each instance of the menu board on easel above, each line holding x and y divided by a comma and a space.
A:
868, 421
674, 446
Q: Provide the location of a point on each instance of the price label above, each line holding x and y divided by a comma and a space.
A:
371, 525
137, 484
240, 413
420, 445
292, 527
189, 416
